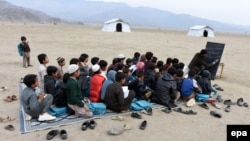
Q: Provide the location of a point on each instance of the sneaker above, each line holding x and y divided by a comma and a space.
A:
45, 117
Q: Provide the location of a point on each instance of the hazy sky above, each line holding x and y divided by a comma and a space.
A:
229, 11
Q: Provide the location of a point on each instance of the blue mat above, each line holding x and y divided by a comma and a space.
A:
27, 126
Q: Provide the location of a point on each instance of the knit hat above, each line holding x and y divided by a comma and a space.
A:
60, 59
120, 56
72, 68
95, 68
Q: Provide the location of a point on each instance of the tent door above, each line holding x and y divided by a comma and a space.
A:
119, 27
205, 33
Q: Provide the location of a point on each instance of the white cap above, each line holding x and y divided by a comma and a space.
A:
95, 68
120, 56
72, 68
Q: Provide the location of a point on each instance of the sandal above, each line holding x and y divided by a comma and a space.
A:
215, 114
127, 127
9, 119
8, 99
179, 110
204, 105
219, 89
119, 118
191, 112
4, 88
9, 127
14, 97
216, 105
115, 131
167, 110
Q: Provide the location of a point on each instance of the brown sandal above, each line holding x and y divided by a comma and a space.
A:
9, 127
8, 99
14, 97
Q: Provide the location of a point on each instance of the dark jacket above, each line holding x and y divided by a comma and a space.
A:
60, 97
73, 91
198, 62
205, 83
149, 79
114, 98
49, 85
166, 89
139, 88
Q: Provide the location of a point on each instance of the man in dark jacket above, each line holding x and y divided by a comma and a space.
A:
166, 89
198, 62
115, 98
50, 80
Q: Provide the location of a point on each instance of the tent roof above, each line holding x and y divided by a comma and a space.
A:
115, 20
196, 27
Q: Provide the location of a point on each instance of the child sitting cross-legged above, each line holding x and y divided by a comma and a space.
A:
35, 106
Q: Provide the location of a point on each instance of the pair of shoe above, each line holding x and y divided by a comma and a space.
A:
46, 117
143, 125
240, 102
9, 127
10, 98
189, 112
219, 98
91, 124
136, 115
228, 108
51, 134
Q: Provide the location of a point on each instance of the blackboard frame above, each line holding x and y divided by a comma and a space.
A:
214, 51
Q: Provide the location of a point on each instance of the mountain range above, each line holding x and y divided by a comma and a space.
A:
97, 12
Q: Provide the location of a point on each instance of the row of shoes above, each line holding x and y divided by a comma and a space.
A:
88, 124
10, 98
51, 134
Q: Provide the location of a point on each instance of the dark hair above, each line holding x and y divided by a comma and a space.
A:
103, 63
175, 61
29, 79
140, 73
23, 38
119, 76
83, 57
179, 73
128, 60
172, 71
119, 66
181, 65
114, 61
191, 73
154, 60
203, 51
159, 64
41, 57
94, 60
125, 70
149, 55
51, 70
169, 60
137, 54
151, 66
74, 61
66, 76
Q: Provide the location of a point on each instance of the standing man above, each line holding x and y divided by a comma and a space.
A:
198, 62
26, 52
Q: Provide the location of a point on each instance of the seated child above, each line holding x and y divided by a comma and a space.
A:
35, 106
189, 86
74, 96
115, 98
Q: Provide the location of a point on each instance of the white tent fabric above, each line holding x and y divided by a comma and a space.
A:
116, 25
201, 31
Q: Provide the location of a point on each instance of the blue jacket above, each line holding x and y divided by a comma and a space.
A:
110, 80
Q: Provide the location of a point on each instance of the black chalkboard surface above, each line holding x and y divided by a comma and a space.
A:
214, 51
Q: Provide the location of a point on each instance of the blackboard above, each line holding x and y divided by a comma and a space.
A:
214, 51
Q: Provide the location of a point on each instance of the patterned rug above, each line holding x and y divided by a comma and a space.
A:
32, 125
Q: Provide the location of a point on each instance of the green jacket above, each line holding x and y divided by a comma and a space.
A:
73, 91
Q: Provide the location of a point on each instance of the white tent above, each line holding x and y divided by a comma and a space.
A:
116, 25
201, 31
